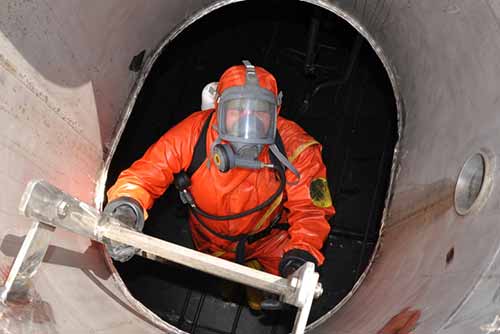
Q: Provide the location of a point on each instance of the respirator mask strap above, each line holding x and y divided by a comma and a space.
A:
285, 162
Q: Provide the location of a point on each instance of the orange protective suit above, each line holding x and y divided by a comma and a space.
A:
306, 204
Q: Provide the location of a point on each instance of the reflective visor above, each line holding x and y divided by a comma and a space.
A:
247, 120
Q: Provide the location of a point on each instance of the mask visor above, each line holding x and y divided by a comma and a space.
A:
248, 120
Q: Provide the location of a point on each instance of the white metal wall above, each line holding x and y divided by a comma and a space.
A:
64, 84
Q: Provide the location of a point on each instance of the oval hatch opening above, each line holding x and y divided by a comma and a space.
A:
334, 86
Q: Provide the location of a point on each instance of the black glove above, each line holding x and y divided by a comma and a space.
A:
293, 260
130, 214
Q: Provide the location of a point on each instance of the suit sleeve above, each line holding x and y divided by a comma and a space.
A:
148, 178
309, 204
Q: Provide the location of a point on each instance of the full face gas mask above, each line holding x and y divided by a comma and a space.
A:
246, 117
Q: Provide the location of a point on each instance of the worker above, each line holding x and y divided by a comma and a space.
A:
255, 182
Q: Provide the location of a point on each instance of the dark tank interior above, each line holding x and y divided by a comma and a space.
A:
334, 86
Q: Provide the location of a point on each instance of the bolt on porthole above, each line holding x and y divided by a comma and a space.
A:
474, 183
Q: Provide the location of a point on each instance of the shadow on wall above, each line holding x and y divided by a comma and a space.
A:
89, 260
20, 312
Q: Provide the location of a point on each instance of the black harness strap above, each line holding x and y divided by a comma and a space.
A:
199, 156
200, 152
243, 239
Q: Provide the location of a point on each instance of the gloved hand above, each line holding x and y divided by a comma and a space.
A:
130, 214
293, 260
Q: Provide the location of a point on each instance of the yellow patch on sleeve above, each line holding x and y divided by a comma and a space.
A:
320, 193
301, 149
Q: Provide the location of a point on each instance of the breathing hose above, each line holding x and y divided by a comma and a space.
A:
259, 207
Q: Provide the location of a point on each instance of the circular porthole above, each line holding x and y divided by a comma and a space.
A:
473, 184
